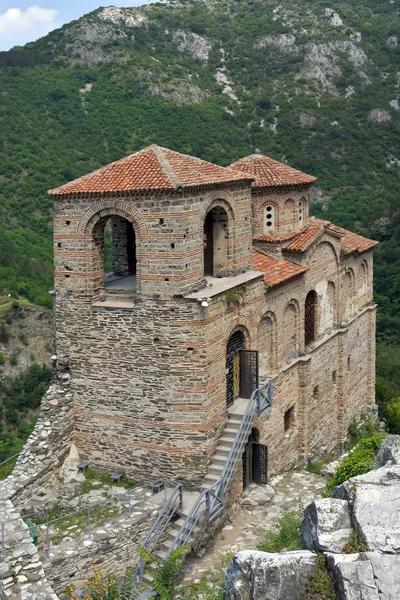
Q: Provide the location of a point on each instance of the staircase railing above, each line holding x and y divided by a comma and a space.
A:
211, 501
160, 525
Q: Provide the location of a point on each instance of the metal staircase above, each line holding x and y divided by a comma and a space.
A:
162, 539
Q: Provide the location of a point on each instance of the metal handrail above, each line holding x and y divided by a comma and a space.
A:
10, 458
170, 508
211, 501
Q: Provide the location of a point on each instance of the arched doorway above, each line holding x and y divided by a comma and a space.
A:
234, 347
116, 240
255, 460
215, 240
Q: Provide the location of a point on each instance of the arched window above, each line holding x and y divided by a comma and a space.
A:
267, 331
115, 239
289, 216
289, 339
215, 241
269, 218
364, 284
309, 317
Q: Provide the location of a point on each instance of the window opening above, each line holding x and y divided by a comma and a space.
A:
288, 419
215, 241
117, 241
316, 392
301, 212
309, 317
269, 218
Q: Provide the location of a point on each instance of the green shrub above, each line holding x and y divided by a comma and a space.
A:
314, 467
354, 545
393, 417
284, 533
15, 304
22, 338
320, 586
13, 360
164, 572
357, 462
2, 358
4, 334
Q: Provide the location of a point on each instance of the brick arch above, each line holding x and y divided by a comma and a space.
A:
219, 198
289, 342
108, 208
240, 324
321, 247
267, 343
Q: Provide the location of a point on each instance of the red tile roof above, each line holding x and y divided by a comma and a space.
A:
152, 169
352, 242
302, 240
276, 271
270, 173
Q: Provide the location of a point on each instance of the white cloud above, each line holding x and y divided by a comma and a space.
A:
20, 26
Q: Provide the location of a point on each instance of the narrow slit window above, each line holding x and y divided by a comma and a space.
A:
301, 213
288, 419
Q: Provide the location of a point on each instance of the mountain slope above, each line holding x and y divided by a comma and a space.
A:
313, 83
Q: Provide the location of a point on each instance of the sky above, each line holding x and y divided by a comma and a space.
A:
23, 21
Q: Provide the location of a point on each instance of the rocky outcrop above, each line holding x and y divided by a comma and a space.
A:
366, 576
378, 115
374, 502
253, 575
326, 525
389, 452
192, 44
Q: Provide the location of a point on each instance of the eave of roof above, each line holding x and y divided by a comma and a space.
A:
270, 173
276, 272
152, 170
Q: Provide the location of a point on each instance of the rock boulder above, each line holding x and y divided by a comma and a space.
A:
389, 452
253, 575
326, 525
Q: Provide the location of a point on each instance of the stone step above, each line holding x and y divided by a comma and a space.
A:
210, 479
230, 433
215, 469
218, 459
225, 441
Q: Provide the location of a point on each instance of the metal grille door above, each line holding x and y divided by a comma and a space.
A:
259, 468
248, 372
235, 344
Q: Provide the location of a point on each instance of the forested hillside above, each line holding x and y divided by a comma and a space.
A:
316, 84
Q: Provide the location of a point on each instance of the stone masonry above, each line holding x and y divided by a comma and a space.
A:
148, 363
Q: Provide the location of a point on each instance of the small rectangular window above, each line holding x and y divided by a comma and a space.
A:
288, 419
316, 392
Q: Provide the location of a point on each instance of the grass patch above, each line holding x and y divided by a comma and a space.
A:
354, 545
7, 468
315, 467
320, 586
359, 461
208, 588
284, 534
92, 477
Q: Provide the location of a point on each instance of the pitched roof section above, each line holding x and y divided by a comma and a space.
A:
271, 173
152, 169
302, 240
276, 271
354, 243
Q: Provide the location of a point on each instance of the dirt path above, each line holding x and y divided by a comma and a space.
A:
257, 513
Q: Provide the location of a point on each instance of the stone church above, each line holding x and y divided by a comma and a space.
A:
181, 288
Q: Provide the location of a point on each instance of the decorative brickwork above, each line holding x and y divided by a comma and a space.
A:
149, 360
